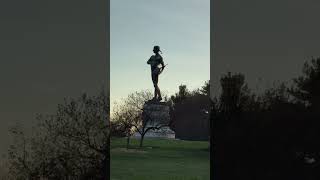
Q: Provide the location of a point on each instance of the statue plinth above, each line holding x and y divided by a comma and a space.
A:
157, 114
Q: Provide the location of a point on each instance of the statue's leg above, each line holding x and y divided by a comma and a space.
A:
155, 92
157, 87
155, 82
159, 94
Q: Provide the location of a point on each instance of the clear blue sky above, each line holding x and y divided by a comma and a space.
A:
182, 30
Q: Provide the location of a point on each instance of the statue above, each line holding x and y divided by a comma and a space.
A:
157, 66
156, 114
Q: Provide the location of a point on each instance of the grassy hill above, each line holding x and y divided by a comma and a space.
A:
160, 159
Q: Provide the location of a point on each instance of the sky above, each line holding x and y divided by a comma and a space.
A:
49, 50
182, 30
266, 40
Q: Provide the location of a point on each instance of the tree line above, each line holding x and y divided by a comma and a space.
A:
273, 135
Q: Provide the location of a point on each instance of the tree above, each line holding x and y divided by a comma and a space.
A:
190, 112
231, 91
123, 120
148, 122
142, 122
307, 86
182, 94
117, 129
306, 91
205, 89
275, 97
130, 117
73, 143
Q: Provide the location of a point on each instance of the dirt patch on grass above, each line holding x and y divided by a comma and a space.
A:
128, 150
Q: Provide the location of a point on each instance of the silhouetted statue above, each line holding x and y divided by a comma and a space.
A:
157, 66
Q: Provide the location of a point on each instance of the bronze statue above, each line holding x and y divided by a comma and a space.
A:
157, 66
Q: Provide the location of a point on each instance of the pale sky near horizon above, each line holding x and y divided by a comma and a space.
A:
182, 30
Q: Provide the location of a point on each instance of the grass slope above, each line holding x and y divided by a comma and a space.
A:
160, 159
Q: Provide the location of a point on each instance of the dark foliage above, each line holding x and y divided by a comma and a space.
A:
190, 113
73, 143
270, 136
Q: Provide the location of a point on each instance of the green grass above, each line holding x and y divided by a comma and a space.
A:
160, 159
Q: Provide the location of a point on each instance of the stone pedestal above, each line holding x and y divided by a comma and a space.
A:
157, 114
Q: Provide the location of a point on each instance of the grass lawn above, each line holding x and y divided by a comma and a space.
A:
160, 159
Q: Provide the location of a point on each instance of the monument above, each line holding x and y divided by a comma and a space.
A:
157, 66
156, 114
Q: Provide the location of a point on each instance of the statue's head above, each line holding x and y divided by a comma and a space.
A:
156, 49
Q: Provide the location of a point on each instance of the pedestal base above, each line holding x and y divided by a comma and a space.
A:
157, 114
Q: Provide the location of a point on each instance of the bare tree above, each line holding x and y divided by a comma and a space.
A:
130, 114
71, 144
147, 122
142, 120
123, 120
